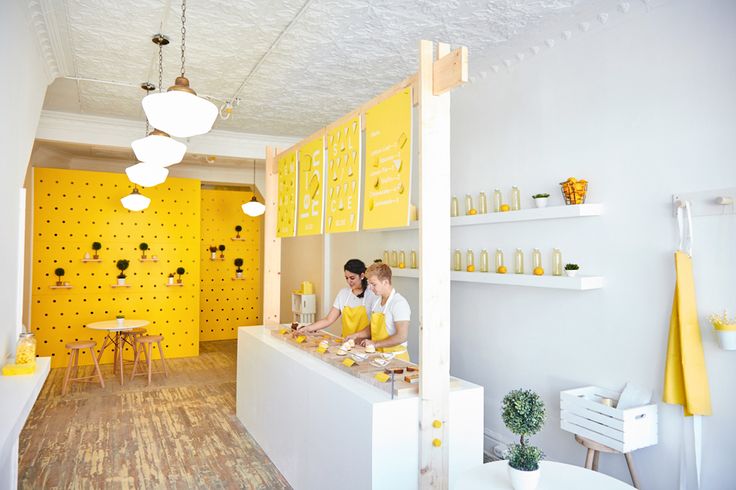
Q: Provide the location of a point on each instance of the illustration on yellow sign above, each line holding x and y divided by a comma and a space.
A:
388, 162
343, 177
311, 171
286, 223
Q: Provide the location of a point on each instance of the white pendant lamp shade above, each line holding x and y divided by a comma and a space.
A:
253, 207
180, 112
135, 201
147, 174
159, 148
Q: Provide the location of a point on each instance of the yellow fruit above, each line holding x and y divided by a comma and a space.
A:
470, 268
501, 269
472, 212
538, 271
401, 265
505, 207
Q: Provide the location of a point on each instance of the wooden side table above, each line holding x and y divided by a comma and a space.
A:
594, 451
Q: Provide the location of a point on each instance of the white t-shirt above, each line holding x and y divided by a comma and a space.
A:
396, 309
346, 298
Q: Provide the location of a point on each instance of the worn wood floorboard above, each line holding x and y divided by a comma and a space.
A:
179, 433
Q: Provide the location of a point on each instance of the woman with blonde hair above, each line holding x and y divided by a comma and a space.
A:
390, 315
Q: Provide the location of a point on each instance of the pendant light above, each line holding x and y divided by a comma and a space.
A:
147, 174
253, 207
135, 201
158, 147
179, 111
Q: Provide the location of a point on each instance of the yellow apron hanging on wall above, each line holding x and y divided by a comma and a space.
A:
380, 332
354, 319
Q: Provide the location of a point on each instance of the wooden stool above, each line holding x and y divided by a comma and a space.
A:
145, 343
74, 348
130, 337
594, 451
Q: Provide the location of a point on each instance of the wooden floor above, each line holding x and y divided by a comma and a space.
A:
179, 433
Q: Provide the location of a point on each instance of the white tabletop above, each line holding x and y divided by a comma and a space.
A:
555, 476
114, 326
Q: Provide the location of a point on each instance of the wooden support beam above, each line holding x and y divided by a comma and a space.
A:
450, 70
434, 276
271, 244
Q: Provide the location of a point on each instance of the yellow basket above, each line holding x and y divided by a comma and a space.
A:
574, 192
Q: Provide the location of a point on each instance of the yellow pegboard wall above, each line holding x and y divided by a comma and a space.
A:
226, 303
74, 208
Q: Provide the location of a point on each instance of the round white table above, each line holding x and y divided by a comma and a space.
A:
555, 476
113, 337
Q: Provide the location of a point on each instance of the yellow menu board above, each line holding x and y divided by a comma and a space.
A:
388, 130
286, 223
311, 195
343, 177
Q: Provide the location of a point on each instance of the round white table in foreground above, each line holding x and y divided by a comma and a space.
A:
114, 326
555, 476
114, 329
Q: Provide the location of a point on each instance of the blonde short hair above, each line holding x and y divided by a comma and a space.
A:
380, 270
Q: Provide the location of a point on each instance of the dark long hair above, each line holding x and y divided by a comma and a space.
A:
356, 266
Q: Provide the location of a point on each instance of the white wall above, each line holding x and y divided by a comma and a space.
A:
22, 86
643, 107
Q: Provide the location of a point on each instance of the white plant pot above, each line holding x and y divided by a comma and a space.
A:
524, 480
541, 202
727, 339
571, 273
121, 281
171, 281
239, 275
121, 322
213, 255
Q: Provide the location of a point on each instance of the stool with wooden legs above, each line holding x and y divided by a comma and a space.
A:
594, 451
144, 343
130, 336
74, 349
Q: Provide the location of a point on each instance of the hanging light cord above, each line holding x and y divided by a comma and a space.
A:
183, 32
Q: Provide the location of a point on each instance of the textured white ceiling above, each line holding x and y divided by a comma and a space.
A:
336, 55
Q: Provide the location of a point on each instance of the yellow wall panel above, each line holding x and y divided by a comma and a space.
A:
311, 188
344, 154
227, 303
286, 220
74, 208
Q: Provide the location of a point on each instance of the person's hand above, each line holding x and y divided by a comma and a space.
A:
354, 337
367, 342
303, 330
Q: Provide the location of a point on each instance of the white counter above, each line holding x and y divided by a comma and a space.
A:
325, 429
17, 396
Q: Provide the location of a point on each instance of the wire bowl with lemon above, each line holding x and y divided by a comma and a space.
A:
574, 191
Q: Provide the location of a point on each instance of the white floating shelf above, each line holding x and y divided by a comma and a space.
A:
176, 284
237, 239
91, 260
148, 260
238, 278
579, 283
218, 258
60, 287
396, 272
414, 225
551, 212
120, 285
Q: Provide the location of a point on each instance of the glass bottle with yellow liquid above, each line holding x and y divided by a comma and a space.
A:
497, 200
454, 207
498, 261
386, 257
556, 262
468, 204
537, 269
484, 260
470, 261
482, 203
457, 260
515, 199
402, 259
394, 258
413, 259
518, 261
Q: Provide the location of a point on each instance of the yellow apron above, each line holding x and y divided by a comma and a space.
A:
380, 332
354, 319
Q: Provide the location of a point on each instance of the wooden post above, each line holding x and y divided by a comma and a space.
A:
434, 277
271, 244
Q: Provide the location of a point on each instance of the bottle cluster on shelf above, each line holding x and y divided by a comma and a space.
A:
499, 262
398, 259
497, 203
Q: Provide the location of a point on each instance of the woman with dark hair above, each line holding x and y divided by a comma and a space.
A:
352, 303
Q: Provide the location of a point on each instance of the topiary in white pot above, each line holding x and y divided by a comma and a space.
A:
523, 413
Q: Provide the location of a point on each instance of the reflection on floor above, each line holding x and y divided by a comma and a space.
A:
181, 432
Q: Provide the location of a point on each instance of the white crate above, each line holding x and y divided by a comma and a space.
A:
582, 413
304, 307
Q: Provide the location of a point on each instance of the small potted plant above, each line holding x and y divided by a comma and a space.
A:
143, 247
96, 246
571, 269
540, 200
523, 413
238, 272
213, 252
221, 248
120, 319
59, 273
725, 329
122, 264
238, 229
170, 280
180, 271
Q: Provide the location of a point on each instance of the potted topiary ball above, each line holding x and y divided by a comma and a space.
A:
221, 248
238, 229
96, 246
122, 265
523, 413
59, 273
180, 271
540, 200
143, 246
170, 280
238, 272
571, 269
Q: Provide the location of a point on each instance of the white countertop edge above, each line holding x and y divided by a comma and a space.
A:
18, 395
352, 383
